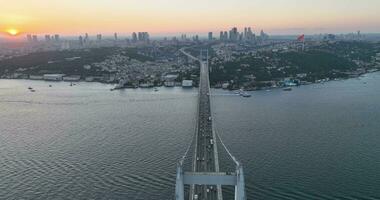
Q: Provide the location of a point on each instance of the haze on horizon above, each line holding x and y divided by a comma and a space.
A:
71, 17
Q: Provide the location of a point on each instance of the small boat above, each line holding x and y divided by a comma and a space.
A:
30, 88
49, 85
287, 89
71, 84
246, 95
155, 89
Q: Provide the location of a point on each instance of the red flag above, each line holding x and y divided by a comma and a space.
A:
301, 38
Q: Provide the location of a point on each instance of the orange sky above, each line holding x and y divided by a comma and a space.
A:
72, 17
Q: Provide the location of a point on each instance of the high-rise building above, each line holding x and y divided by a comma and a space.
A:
183, 37
225, 35
56, 37
99, 37
47, 38
29, 38
86, 38
263, 35
221, 36
143, 36
80, 40
115, 36
196, 38
34, 38
210, 36
234, 34
134, 37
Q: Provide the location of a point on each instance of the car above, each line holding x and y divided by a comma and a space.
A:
195, 197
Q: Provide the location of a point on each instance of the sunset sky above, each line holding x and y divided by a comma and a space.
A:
72, 17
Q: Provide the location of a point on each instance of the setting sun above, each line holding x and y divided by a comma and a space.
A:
12, 31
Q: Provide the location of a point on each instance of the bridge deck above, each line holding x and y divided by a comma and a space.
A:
206, 152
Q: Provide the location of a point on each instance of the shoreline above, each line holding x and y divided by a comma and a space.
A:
321, 81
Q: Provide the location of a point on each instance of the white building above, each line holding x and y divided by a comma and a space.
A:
36, 77
53, 77
187, 83
169, 83
71, 78
225, 85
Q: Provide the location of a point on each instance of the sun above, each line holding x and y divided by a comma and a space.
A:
12, 31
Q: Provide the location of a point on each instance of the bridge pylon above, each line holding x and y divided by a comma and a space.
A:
210, 178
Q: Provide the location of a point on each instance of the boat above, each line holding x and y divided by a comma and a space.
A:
287, 89
246, 95
30, 88
49, 85
155, 89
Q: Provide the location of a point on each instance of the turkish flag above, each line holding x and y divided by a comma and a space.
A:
301, 38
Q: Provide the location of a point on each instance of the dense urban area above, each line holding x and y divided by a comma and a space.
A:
237, 60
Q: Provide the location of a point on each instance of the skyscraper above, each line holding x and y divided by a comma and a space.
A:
99, 37
225, 36
47, 38
234, 34
210, 36
134, 37
86, 39
34, 38
143, 36
196, 38
80, 40
56, 37
115, 36
29, 38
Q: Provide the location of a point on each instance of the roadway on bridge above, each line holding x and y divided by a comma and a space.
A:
206, 159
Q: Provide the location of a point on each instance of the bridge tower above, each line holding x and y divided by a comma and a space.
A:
210, 178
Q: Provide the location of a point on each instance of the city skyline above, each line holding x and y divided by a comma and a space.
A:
162, 17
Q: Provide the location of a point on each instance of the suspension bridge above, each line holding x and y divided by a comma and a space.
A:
205, 179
